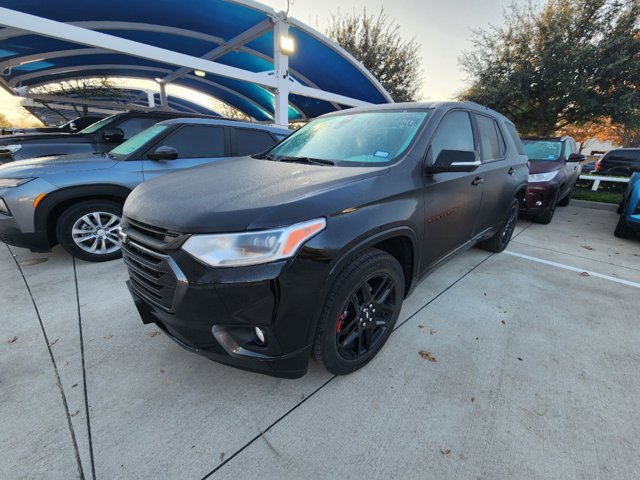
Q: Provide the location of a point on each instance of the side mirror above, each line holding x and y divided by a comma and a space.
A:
576, 157
72, 127
113, 135
164, 153
455, 161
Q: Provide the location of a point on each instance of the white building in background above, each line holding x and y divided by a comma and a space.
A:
595, 147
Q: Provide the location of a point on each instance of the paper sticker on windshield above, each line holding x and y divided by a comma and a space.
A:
381, 154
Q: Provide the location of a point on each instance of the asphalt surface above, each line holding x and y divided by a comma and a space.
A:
531, 372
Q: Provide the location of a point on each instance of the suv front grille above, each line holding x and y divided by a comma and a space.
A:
154, 276
157, 233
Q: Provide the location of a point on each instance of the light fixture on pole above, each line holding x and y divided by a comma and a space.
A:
287, 45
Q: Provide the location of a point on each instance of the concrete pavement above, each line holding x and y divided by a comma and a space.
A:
535, 376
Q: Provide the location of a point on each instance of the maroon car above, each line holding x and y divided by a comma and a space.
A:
554, 168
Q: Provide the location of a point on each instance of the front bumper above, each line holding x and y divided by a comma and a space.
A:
213, 311
11, 234
538, 198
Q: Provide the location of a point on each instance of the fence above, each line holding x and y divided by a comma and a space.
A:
597, 179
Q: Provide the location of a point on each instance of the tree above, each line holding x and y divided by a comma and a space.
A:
376, 42
101, 89
568, 62
4, 122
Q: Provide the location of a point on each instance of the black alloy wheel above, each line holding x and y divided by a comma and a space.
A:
360, 311
366, 316
502, 237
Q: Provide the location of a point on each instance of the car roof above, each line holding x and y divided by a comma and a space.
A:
445, 105
550, 139
224, 123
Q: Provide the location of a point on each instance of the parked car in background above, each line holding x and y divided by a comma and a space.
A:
313, 246
554, 168
72, 126
588, 168
100, 137
76, 200
621, 161
629, 222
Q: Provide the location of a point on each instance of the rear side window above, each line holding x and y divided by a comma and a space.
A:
196, 141
515, 137
626, 155
248, 141
132, 126
453, 133
491, 140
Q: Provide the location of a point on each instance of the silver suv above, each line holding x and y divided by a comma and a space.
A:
76, 200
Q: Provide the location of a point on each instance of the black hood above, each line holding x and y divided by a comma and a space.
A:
244, 194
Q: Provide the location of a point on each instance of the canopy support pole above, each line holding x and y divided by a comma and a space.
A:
281, 72
151, 99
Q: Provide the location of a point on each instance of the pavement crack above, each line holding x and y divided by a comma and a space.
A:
84, 373
442, 292
55, 368
271, 447
262, 434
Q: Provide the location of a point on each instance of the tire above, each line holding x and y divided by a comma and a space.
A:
97, 244
622, 229
546, 217
350, 331
502, 237
567, 198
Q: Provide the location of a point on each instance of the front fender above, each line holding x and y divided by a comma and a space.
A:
64, 195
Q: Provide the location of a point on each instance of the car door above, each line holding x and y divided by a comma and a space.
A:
572, 168
451, 199
195, 144
498, 171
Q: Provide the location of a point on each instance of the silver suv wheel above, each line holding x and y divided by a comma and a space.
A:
96, 233
88, 230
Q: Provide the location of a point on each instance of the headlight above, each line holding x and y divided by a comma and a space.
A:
13, 182
542, 177
252, 248
10, 148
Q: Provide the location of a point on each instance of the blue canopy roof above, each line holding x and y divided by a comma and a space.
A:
192, 27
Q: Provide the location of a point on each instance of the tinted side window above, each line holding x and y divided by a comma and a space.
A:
248, 142
196, 141
453, 133
132, 126
489, 140
515, 137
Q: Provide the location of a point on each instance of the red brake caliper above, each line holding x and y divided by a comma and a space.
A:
340, 320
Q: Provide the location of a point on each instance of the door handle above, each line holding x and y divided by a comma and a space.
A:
511, 171
477, 181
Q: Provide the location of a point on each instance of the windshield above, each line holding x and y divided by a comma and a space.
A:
359, 139
98, 125
137, 141
546, 150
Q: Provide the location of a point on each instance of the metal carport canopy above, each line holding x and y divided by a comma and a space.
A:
236, 44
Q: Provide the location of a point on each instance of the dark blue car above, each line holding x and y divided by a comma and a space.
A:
629, 210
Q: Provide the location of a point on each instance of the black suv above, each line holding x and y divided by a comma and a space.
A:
99, 137
621, 161
312, 247
72, 126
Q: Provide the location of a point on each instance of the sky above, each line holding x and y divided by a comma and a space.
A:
444, 29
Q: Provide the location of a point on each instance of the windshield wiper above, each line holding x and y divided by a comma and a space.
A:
313, 161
